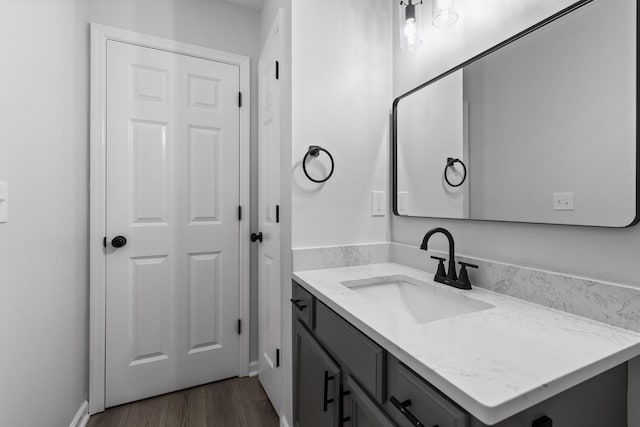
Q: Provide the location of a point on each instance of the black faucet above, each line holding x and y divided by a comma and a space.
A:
448, 278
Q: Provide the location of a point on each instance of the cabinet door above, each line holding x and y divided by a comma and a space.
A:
316, 383
363, 411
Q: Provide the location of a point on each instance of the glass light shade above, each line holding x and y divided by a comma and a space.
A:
444, 13
410, 24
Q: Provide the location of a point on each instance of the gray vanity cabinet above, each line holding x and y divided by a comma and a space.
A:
317, 381
343, 378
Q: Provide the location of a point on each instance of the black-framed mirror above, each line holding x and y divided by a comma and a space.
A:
539, 129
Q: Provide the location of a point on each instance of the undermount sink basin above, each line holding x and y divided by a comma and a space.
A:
414, 300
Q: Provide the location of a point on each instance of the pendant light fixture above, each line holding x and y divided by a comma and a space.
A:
410, 24
444, 13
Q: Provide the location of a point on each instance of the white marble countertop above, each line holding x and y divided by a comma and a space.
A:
494, 363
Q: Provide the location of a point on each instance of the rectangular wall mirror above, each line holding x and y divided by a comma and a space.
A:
539, 129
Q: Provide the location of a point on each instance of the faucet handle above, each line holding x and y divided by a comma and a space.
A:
441, 272
466, 264
464, 277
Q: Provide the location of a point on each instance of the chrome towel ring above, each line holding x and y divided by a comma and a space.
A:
450, 162
314, 151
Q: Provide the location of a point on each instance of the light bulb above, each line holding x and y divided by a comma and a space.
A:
410, 29
410, 32
410, 26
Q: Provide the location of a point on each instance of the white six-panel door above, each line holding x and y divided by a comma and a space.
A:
269, 326
172, 146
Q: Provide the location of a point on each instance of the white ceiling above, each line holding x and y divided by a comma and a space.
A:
253, 4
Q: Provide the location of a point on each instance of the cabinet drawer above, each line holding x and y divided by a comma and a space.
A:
411, 400
363, 358
302, 303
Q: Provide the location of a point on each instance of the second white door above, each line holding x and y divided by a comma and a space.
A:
269, 319
173, 193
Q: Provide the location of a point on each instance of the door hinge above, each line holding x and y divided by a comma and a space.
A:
239, 326
104, 242
277, 70
239, 213
240, 99
277, 214
277, 358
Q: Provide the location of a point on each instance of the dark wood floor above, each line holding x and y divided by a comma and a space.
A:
236, 402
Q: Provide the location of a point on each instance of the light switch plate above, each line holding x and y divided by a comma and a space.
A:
378, 203
4, 202
563, 202
403, 202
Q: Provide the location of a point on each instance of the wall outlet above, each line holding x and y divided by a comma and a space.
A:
563, 202
378, 203
403, 202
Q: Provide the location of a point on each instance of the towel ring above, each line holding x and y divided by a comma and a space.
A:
314, 151
450, 162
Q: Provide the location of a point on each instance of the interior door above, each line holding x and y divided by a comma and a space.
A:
269, 326
173, 194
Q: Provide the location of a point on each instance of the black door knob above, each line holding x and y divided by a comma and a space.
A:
256, 237
119, 241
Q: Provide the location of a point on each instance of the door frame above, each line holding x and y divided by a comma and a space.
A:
100, 35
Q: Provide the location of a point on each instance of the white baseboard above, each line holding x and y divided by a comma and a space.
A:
253, 368
283, 422
82, 416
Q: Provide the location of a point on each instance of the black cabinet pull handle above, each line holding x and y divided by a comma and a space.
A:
325, 403
256, 237
344, 393
297, 302
402, 407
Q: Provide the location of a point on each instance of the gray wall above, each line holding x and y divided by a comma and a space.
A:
43, 247
341, 99
209, 23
